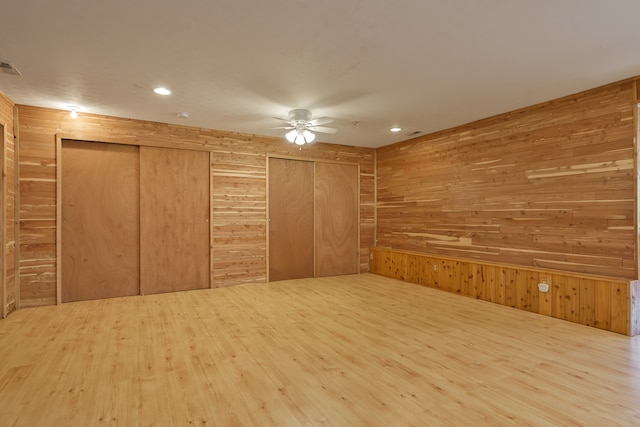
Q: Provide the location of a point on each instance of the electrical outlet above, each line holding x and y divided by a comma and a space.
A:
435, 267
543, 286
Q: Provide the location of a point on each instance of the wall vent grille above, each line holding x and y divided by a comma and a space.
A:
8, 68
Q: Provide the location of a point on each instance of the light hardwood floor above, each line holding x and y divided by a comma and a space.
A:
344, 351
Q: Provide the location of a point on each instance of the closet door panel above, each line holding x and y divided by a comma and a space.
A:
100, 221
290, 219
336, 219
174, 220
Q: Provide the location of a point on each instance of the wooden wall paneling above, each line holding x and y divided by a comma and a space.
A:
239, 204
481, 288
3, 203
475, 274
501, 279
100, 220
9, 295
457, 277
572, 299
415, 269
291, 219
587, 302
174, 220
434, 272
620, 305
16, 208
545, 298
490, 277
394, 265
336, 199
58, 219
602, 309
566, 166
526, 290
610, 304
211, 282
463, 277
509, 275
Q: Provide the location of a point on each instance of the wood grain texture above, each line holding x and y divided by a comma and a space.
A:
174, 220
8, 207
291, 222
239, 175
550, 186
605, 303
3, 231
100, 243
360, 350
336, 219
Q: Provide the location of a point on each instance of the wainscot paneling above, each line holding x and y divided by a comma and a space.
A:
550, 186
238, 217
601, 302
8, 284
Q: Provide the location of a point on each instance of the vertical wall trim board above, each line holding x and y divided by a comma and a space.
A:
3, 231
16, 206
211, 282
58, 219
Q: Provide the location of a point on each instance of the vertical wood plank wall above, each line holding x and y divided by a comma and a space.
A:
605, 303
238, 194
550, 186
9, 284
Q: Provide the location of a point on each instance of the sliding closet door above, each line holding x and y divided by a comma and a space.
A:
336, 219
174, 220
290, 219
100, 220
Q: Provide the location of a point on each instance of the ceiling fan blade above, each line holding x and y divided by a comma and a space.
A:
322, 129
283, 127
320, 121
280, 118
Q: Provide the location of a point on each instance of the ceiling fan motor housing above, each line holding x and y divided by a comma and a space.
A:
300, 115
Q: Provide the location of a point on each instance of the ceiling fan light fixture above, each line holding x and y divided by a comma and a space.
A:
291, 136
308, 136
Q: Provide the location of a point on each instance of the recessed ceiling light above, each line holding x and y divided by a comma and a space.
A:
395, 129
162, 91
74, 111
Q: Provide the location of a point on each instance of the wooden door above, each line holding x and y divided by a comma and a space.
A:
100, 220
336, 219
174, 220
290, 219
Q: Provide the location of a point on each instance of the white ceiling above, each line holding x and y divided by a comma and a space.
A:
233, 64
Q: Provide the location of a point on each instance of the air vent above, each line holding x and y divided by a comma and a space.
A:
8, 68
418, 132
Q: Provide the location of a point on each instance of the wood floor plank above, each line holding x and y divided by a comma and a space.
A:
339, 351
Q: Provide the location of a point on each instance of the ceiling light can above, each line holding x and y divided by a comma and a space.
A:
162, 91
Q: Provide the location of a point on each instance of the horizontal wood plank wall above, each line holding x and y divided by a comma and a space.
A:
548, 186
238, 193
601, 302
9, 247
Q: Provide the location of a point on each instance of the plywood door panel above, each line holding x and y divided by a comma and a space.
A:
336, 219
174, 220
100, 220
290, 219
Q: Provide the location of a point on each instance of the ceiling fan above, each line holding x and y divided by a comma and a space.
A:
301, 124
